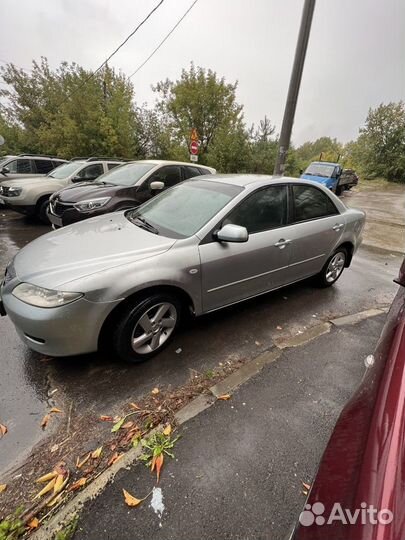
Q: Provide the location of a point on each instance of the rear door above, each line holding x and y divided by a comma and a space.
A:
20, 168
316, 229
43, 166
235, 271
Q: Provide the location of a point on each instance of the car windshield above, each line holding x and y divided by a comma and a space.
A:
127, 175
320, 169
65, 170
182, 210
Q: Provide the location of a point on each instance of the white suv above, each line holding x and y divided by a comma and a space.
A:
30, 195
26, 165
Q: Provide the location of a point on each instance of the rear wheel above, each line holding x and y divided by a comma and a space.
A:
42, 211
332, 269
339, 190
147, 327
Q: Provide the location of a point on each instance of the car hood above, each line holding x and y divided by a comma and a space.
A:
84, 248
85, 191
20, 182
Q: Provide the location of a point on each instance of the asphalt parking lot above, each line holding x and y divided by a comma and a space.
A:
94, 384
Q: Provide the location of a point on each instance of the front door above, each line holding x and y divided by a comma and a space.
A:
236, 271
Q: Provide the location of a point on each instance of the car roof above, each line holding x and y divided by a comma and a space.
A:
244, 180
168, 162
325, 162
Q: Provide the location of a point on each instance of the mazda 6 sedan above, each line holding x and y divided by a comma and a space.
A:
125, 279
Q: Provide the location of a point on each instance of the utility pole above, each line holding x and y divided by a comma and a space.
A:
294, 87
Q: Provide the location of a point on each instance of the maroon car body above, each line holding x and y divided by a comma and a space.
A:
364, 462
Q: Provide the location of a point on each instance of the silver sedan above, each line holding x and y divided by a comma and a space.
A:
125, 279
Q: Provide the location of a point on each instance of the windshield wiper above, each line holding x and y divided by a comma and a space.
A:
144, 224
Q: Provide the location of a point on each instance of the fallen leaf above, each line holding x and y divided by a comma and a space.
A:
167, 431
130, 500
58, 483
3, 487
127, 425
34, 523
114, 458
159, 464
225, 397
3, 429
135, 406
279, 327
153, 463
306, 486
49, 486
54, 448
105, 418
118, 425
60, 468
97, 453
257, 343
46, 477
55, 410
78, 484
304, 492
45, 421
79, 464
155, 391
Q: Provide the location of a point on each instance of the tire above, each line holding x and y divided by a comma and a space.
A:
325, 278
41, 211
141, 321
339, 190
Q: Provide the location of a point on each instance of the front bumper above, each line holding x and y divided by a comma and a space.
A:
64, 214
26, 209
63, 331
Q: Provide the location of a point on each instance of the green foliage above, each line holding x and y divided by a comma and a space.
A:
330, 149
67, 532
12, 526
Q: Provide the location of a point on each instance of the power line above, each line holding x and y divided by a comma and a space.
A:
113, 53
164, 39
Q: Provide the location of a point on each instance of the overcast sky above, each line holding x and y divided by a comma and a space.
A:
355, 56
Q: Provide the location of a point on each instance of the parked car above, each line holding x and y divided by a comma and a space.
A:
125, 187
362, 468
127, 277
30, 196
27, 165
331, 175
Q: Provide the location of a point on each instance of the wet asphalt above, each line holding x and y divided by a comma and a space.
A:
93, 383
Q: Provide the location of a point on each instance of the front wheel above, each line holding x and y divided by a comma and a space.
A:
332, 269
42, 212
147, 327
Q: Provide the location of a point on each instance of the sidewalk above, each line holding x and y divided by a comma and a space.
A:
239, 466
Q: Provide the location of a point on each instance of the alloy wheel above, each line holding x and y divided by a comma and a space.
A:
335, 267
153, 328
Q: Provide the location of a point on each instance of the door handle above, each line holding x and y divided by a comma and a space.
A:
282, 243
338, 226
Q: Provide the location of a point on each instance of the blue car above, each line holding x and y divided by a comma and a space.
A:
326, 173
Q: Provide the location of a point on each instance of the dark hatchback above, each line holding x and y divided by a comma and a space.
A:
124, 187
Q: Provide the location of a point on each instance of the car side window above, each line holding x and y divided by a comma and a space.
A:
170, 175
20, 166
311, 203
190, 172
112, 165
43, 166
263, 210
91, 171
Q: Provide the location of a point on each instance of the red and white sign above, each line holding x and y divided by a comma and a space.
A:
194, 147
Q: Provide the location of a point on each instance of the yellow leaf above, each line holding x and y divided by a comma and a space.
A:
225, 397
45, 421
79, 464
49, 486
46, 477
114, 458
167, 431
105, 418
155, 391
34, 523
3, 487
130, 499
55, 410
78, 484
58, 483
97, 453
306, 486
127, 425
3, 429
159, 464
134, 406
55, 500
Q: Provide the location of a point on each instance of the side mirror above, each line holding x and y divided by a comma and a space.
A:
5, 170
232, 233
157, 186
77, 179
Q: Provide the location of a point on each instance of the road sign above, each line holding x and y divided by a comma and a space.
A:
194, 147
194, 135
193, 157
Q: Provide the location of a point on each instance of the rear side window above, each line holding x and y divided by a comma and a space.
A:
112, 165
91, 172
204, 171
56, 163
20, 166
43, 166
169, 175
263, 210
311, 203
190, 172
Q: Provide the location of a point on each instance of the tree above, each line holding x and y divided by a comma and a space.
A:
381, 145
70, 111
263, 147
199, 99
329, 149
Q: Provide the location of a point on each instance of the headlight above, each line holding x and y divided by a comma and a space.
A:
40, 297
91, 204
11, 191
